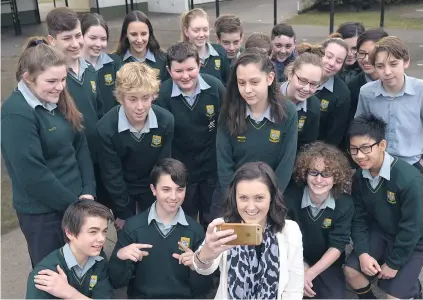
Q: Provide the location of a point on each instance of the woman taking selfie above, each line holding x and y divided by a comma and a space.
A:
272, 270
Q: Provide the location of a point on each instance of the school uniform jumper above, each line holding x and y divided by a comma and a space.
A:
83, 89
194, 142
388, 223
264, 140
349, 72
308, 118
49, 165
324, 227
128, 156
107, 67
335, 101
156, 61
91, 280
216, 63
281, 65
159, 275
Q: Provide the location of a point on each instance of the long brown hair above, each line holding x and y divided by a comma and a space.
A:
123, 43
36, 57
233, 110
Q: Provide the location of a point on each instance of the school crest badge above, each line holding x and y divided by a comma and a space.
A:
185, 242
327, 222
93, 86
210, 110
391, 197
275, 136
324, 104
241, 139
156, 141
217, 64
301, 122
93, 281
108, 80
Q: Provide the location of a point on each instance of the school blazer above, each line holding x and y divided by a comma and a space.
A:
291, 266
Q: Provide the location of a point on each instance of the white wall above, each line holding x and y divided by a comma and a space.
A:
23, 5
168, 6
204, 1
108, 3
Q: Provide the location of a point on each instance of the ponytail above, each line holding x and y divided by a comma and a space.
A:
36, 57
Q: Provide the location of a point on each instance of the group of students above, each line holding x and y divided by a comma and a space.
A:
269, 133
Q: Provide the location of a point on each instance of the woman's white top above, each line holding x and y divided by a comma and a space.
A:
291, 266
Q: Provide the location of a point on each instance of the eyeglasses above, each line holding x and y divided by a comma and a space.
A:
362, 55
315, 173
304, 82
363, 149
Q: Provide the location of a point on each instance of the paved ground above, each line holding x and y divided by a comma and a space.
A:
15, 264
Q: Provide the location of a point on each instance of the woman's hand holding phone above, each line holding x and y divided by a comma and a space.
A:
215, 242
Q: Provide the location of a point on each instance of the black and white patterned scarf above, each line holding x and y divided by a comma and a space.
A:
250, 277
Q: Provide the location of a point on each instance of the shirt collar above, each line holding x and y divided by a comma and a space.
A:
179, 217
385, 170
71, 260
407, 89
148, 56
212, 51
123, 122
367, 78
266, 115
102, 60
83, 65
328, 84
31, 99
301, 105
306, 201
201, 86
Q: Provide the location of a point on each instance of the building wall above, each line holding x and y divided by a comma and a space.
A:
27, 13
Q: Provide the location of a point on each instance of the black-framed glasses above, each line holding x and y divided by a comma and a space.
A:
362, 55
304, 82
315, 173
363, 149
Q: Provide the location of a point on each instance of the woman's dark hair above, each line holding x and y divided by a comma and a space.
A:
233, 110
256, 171
373, 35
334, 160
94, 19
180, 52
350, 29
123, 44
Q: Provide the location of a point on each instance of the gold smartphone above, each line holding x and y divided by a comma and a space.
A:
247, 234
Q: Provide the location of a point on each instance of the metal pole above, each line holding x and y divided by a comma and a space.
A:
132, 5
217, 8
126, 6
191, 4
66, 3
332, 16
275, 12
54, 3
382, 13
98, 7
